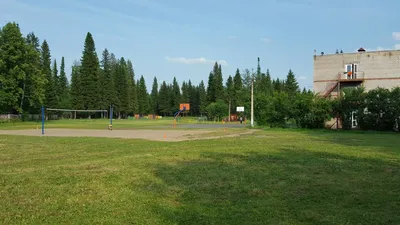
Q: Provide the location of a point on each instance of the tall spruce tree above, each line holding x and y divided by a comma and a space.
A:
76, 95
185, 93
89, 75
176, 96
64, 99
133, 100
218, 82
164, 104
121, 81
51, 91
143, 96
55, 78
211, 88
202, 97
107, 90
268, 82
291, 85
154, 97
230, 91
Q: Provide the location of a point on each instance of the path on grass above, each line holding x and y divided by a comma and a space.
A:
155, 135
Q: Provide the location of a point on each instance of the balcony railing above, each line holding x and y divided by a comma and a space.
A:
356, 76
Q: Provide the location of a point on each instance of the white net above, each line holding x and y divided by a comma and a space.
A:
75, 113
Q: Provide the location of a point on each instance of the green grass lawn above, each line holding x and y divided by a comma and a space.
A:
101, 124
271, 177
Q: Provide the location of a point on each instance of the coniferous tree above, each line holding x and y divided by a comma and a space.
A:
269, 90
64, 101
76, 96
121, 81
154, 97
89, 75
291, 85
164, 104
133, 101
218, 82
185, 93
238, 87
202, 97
230, 91
51, 92
211, 89
55, 78
176, 96
107, 90
143, 96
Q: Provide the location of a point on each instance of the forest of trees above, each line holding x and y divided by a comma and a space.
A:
29, 79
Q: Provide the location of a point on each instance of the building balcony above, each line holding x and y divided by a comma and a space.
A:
351, 77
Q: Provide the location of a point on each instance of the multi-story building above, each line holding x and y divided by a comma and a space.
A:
332, 72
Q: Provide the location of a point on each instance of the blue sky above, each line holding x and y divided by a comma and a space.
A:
184, 38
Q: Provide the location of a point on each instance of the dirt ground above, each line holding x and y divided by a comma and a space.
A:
155, 135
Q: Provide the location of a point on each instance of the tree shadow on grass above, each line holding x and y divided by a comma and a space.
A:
386, 141
289, 187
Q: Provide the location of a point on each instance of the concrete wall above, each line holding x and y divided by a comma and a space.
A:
378, 68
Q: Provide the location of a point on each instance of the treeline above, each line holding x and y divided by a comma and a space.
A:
29, 78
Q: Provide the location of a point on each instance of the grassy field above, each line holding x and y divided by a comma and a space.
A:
101, 124
270, 177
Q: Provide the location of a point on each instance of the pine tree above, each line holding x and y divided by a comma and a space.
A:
51, 91
238, 89
76, 96
55, 78
268, 82
64, 101
211, 89
202, 97
218, 82
143, 96
230, 91
133, 100
89, 75
107, 90
121, 81
291, 85
154, 97
185, 93
31, 39
176, 96
164, 105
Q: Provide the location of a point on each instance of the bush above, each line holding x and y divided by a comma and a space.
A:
312, 111
217, 110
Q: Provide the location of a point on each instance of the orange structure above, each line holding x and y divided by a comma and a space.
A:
184, 106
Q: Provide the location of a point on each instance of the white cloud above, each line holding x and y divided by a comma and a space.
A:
200, 60
266, 40
396, 36
302, 78
397, 46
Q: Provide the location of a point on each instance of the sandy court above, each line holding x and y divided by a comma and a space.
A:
156, 135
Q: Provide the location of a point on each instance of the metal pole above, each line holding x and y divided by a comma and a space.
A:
42, 120
252, 99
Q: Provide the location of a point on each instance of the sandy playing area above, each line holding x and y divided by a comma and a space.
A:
156, 135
